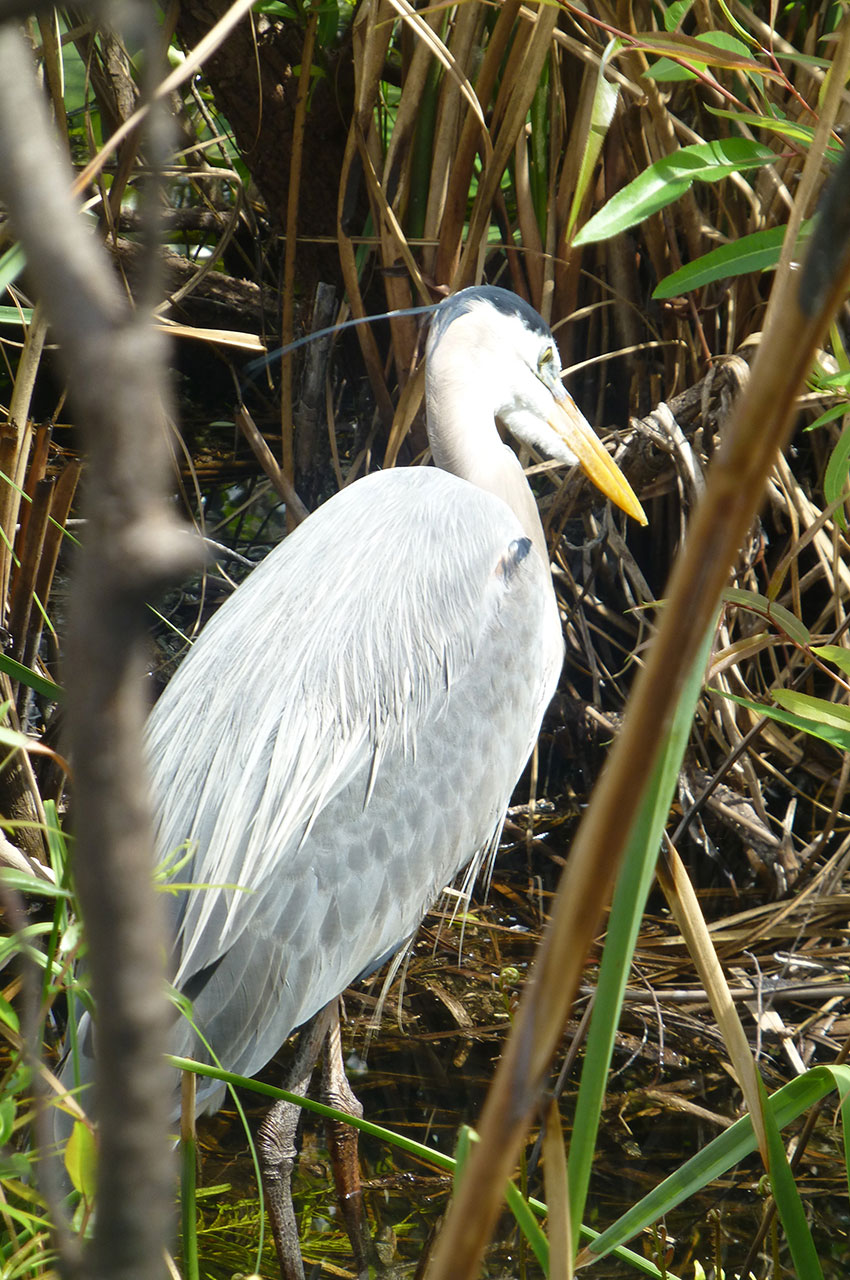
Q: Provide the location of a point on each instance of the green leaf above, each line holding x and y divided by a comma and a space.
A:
836, 474
838, 382
10, 1019
81, 1160
835, 654
18, 943
719, 1156
713, 49
12, 738
668, 70
773, 124
816, 729
15, 315
633, 884
675, 12
757, 252
817, 709
782, 619
22, 882
839, 350
465, 1138
277, 9
788, 1202
18, 1165
602, 113
12, 264
328, 24
669, 178
24, 675
7, 1119
837, 411
528, 1225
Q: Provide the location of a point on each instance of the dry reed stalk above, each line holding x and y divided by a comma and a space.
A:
761, 422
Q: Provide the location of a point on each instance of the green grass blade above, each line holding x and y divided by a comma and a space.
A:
24, 675
418, 1149
189, 1208
12, 263
717, 1158
788, 1203
528, 1225
630, 895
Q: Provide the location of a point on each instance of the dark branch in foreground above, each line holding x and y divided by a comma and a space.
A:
113, 363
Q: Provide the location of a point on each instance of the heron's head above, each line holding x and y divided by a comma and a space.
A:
488, 345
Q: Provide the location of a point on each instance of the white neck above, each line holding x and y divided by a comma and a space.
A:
465, 441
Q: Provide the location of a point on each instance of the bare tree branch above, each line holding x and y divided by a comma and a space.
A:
114, 366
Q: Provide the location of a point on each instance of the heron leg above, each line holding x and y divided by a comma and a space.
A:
277, 1150
342, 1145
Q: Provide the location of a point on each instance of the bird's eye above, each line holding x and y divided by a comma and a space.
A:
546, 358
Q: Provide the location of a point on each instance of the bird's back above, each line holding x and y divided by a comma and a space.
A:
342, 740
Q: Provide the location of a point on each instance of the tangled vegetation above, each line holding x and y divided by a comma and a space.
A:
649, 177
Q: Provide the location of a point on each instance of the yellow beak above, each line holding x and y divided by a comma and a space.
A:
599, 467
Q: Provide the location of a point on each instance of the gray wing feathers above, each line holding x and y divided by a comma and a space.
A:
395, 633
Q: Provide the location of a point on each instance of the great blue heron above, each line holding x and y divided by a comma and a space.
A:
345, 735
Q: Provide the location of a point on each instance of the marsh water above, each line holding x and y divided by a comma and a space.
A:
424, 1071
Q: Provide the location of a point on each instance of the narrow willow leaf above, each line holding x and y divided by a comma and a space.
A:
837, 411
719, 51
749, 40
604, 105
667, 69
842, 1084
818, 710
839, 738
835, 654
757, 252
836, 474
57, 845
18, 943
782, 619
838, 382
773, 124
839, 349
669, 178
